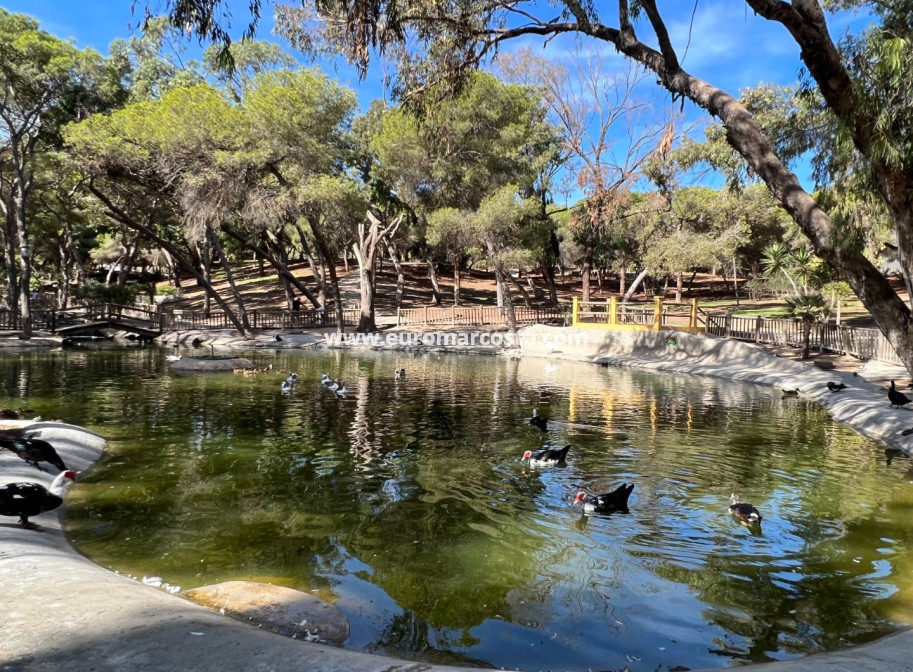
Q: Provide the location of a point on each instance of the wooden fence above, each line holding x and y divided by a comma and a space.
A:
181, 320
611, 314
477, 315
862, 343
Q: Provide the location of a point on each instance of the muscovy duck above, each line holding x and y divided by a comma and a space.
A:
286, 387
29, 499
33, 451
617, 500
538, 421
326, 380
746, 513
896, 398
791, 393
400, 374
835, 387
546, 458
339, 389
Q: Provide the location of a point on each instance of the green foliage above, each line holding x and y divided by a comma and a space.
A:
94, 292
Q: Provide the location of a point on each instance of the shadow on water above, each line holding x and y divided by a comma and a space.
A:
407, 504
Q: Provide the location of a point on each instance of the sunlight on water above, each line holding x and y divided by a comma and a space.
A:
406, 503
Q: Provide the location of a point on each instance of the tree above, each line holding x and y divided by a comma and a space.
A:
45, 82
866, 94
608, 133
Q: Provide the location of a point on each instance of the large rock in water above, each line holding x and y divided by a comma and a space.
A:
212, 364
281, 610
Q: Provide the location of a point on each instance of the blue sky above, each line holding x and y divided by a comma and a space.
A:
728, 45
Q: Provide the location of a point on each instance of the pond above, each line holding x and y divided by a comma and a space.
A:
407, 504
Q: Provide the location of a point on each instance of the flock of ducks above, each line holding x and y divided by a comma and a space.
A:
896, 398
617, 499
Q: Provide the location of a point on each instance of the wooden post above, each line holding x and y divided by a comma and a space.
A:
452, 315
657, 312
576, 309
426, 314
728, 329
398, 311
757, 330
692, 318
613, 310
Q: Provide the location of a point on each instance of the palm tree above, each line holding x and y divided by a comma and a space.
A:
809, 308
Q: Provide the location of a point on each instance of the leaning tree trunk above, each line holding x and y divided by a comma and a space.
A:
633, 288
371, 233
324, 250
122, 217
548, 273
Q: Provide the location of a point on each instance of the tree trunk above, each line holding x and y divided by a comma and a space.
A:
806, 338
25, 268
206, 269
121, 217
435, 288
456, 283
678, 286
230, 278
622, 280
548, 273
400, 276
281, 268
521, 289
633, 288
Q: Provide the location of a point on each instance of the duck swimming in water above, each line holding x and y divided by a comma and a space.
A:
546, 458
617, 500
746, 513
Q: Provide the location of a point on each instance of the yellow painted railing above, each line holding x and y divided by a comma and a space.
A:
610, 314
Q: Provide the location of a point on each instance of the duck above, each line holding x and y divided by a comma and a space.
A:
896, 398
746, 513
339, 388
173, 358
326, 380
546, 458
286, 387
538, 421
617, 500
400, 374
791, 393
835, 387
278, 337
33, 451
8, 414
292, 379
27, 499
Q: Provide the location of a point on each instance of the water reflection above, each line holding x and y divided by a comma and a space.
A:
406, 502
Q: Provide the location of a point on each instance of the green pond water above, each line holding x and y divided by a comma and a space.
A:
407, 504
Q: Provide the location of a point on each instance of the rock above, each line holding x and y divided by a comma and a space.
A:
823, 364
284, 611
212, 364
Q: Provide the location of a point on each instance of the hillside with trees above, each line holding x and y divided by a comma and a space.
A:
121, 171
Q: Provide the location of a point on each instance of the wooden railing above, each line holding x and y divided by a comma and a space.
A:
854, 341
477, 315
612, 314
41, 319
182, 320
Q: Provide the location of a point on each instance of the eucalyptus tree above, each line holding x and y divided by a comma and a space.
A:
608, 131
45, 82
862, 82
